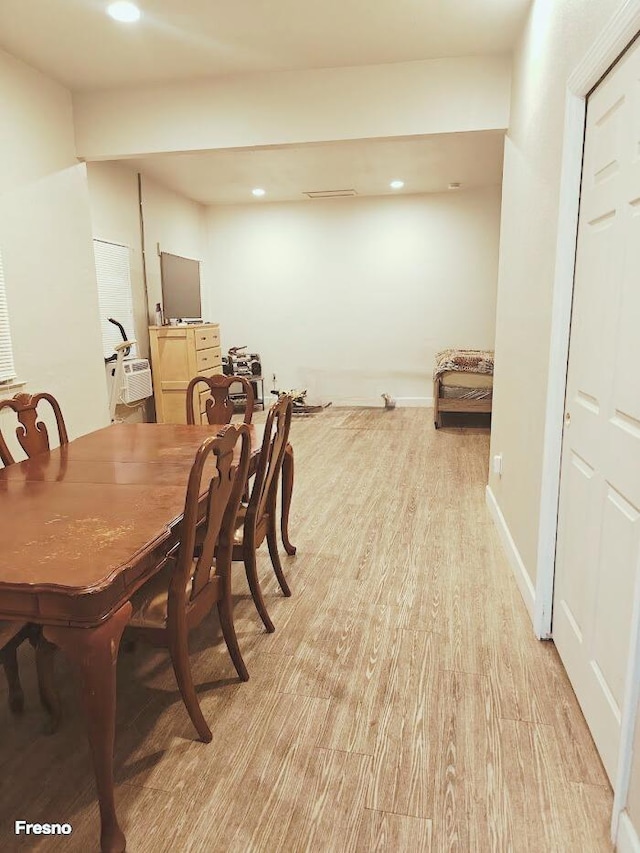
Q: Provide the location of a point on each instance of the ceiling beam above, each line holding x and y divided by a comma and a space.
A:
292, 107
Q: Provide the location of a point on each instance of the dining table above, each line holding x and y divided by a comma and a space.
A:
83, 527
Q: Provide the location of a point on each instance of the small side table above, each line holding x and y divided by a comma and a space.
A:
258, 397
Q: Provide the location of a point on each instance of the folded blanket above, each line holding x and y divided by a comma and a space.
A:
465, 360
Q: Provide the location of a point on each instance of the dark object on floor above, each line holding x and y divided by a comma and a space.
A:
300, 405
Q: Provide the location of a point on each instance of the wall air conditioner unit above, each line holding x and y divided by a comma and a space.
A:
136, 380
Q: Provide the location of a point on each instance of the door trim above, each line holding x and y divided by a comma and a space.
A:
610, 44
627, 840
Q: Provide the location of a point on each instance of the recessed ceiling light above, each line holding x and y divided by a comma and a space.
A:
258, 191
396, 185
128, 13
455, 185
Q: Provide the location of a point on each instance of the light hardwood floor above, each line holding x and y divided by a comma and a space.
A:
403, 703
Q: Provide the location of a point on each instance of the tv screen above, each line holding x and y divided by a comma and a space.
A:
180, 286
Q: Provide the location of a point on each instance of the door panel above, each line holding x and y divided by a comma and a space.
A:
598, 548
615, 589
580, 533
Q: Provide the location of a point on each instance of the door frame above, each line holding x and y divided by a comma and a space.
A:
619, 33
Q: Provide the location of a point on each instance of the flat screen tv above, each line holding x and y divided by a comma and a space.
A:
180, 287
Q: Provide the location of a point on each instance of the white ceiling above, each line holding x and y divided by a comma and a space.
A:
426, 164
74, 42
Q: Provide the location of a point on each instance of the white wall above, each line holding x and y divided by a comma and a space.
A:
115, 217
556, 37
633, 800
304, 105
350, 298
175, 222
45, 240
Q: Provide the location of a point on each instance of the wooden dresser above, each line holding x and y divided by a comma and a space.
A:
178, 353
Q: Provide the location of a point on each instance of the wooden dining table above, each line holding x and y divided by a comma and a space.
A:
83, 527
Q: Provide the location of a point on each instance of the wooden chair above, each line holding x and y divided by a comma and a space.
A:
178, 598
219, 407
33, 437
12, 634
257, 519
31, 433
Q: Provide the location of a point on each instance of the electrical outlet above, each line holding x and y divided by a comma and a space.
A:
497, 464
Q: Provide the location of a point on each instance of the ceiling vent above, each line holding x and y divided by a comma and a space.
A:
330, 193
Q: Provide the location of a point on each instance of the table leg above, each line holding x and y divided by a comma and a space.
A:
287, 491
95, 653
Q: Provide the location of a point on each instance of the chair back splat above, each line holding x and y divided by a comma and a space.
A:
258, 517
31, 433
195, 575
263, 494
216, 514
219, 406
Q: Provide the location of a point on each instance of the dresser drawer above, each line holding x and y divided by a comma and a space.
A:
207, 337
208, 358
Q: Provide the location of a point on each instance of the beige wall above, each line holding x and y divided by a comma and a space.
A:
556, 37
404, 98
45, 240
351, 298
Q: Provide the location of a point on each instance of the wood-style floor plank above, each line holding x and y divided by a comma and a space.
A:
406, 750
335, 788
402, 705
382, 832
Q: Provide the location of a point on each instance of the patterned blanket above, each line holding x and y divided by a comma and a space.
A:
465, 360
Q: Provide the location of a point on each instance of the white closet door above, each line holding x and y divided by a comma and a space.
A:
598, 555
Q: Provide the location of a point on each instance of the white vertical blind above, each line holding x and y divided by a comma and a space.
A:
7, 370
114, 292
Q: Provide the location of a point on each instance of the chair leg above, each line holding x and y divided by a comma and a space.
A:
225, 612
45, 656
272, 542
254, 585
179, 651
9, 659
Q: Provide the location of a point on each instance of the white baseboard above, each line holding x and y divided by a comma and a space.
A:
627, 840
378, 403
415, 402
513, 555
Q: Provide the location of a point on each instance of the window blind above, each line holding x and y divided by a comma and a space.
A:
7, 369
114, 292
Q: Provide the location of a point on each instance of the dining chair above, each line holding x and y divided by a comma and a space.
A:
31, 433
12, 634
256, 520
219, 406
33, 437
192, 580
